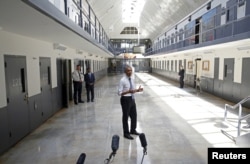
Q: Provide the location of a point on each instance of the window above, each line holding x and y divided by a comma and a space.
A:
129, 30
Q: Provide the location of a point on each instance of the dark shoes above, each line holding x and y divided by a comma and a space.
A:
246, 127
128, 136
135, 133
79, 102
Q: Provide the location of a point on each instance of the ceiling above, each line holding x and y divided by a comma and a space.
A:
156, 16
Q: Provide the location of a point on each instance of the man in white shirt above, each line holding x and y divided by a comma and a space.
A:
78, 78
126, 90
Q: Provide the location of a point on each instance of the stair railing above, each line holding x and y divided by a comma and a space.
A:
240, 118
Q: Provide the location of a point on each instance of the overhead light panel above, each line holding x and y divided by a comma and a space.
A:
58, 46
79, 51
243, 48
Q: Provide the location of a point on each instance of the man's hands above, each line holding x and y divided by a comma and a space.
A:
140, 89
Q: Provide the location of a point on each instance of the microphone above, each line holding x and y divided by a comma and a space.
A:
143, 144
81, 159
115, 143
143, 140
114, 147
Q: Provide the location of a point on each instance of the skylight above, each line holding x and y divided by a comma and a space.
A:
131, 10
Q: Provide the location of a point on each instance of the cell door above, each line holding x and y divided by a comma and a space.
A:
197, 71
17, 100
217, 83
46, 89
245, 90
228, 78
66, 80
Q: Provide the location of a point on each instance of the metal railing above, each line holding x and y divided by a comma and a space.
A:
240, 117
87, 20
211, 30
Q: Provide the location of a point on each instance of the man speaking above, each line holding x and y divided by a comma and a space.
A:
126, 90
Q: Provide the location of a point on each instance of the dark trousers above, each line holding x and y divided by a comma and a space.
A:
90, 90
181, 82
128, 110
77, 91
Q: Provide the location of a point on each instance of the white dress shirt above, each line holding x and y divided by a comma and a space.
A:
124, 85
77, 76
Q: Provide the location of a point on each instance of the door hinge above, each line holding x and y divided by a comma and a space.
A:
5, 64
8, 100
41, 89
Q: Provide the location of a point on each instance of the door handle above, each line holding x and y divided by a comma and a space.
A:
26, 97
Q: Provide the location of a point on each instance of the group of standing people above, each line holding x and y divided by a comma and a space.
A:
78, 79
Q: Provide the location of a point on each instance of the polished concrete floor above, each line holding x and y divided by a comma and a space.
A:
179, 125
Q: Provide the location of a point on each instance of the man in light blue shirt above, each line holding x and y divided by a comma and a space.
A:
126, 90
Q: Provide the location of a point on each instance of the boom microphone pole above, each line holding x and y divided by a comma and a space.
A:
114, 147
143, 144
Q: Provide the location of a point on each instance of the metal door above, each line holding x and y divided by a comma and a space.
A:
46, 89
59, 95
17, 99
217, 83
245, 87
197, 75
66, 82
228, 78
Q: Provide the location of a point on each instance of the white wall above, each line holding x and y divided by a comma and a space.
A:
210, 55
13, 44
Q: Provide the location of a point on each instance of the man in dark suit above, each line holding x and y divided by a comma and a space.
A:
181, 75
89, 79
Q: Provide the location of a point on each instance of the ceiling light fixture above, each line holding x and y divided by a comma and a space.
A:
243, 48
58, 46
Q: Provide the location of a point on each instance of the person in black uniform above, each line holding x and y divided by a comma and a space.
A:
89, 79
77, 76
126, 90
181, 75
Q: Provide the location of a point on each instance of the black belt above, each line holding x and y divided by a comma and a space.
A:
127, 97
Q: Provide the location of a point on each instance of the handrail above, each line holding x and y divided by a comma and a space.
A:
241, 102
240, 118
188, 41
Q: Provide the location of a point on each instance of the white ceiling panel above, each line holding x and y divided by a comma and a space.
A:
156, 16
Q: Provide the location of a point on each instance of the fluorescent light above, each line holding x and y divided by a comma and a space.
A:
79, 51
131, 10
243, 48
58, 46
